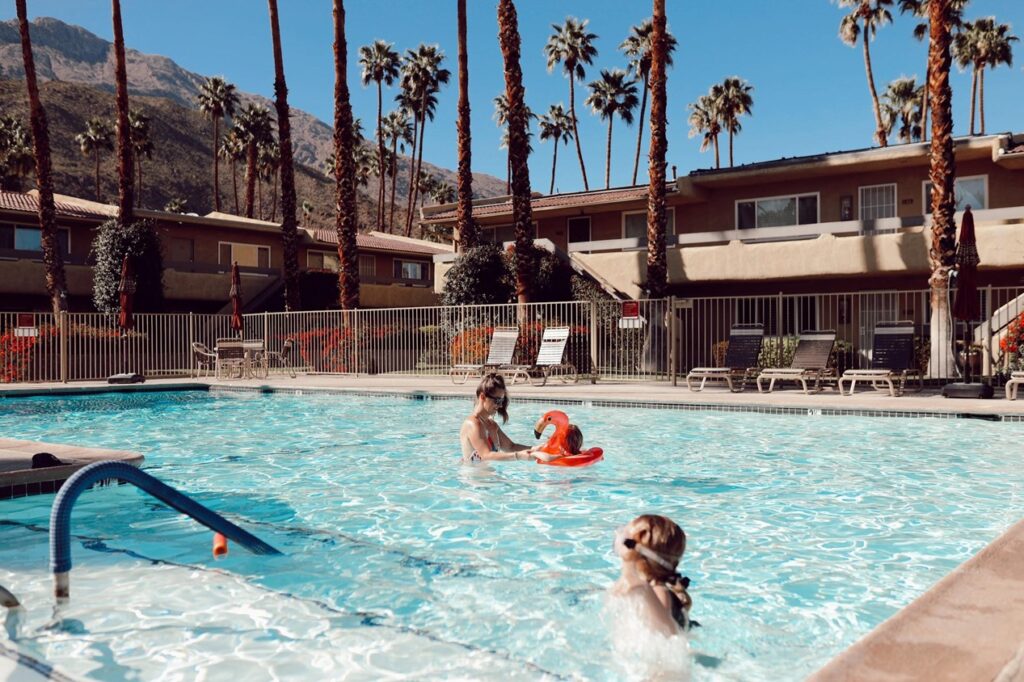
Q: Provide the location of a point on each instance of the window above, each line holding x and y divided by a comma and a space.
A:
634, 224
322, 260
578, 229
25, 238
800, 209
367, 265
246, 255
970, 191
408, 269
498, 234
182, 250
877, 201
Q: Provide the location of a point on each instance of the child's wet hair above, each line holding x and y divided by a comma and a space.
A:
662, 535
574, 439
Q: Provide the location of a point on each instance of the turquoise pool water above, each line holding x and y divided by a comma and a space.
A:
804, 533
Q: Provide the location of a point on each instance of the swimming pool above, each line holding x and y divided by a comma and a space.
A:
804, 533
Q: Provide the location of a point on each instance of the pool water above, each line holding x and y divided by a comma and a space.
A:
803, 534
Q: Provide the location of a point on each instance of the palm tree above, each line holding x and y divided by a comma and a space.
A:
254, 127
217, 99
365, 163
56, 284
982, 44
706, 121
142, 145
344, 172
422, 78
289, 227
97, 137
398, 131
919, 8
942, 173
572, 46
872, 14
443, 193
501, 119
657, 267
903, 102
16, 158
380, 65
125, 176
613, 94
522, 213
465, 225
734, 100
637, 48
268, 166
233, 148
425, 185
555, 125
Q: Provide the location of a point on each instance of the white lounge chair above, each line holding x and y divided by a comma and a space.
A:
1016, 379
740, 359
810, 362
893, 361
503, 347
549, 361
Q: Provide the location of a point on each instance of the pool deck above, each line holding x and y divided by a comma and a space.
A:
19, 479
969, 625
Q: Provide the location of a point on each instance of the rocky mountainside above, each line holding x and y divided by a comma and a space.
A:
72, 55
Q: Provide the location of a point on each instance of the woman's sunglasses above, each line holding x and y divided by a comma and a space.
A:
499, 400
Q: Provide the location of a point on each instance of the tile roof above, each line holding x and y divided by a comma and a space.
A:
29, 202
380, 243
554, 201
1019, 149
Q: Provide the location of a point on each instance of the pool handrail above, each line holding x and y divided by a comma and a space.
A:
60, 514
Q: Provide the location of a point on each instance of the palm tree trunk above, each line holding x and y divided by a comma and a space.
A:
464, 224
394, 183
981, 99
554, 164
216, 159
942, 173
717, 163
53, 259
344, 170
576, 132
419, 165
640, 129
97, 155
924, 105
657, 267
273, 203
974, 95
259, 191
289, 228
380, 157
730, 147
412, 169
508, 173
234, 182
125, 176
880, 136
608, 155
518, 146
250, 178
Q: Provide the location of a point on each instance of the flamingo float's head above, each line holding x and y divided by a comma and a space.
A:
557, 417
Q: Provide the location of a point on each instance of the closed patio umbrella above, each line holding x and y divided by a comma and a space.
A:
125, 319
236, 299
965, 306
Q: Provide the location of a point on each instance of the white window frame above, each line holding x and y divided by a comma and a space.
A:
927, 207
668, 209
258, 246
590, 228
425, 264
860, 199
795, 197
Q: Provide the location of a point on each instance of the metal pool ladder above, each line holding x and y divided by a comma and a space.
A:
60, 515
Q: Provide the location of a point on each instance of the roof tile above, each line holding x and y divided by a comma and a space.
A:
375, 242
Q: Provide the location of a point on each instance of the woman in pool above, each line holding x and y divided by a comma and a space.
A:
481, 437
650, 547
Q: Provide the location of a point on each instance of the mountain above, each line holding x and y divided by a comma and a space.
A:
70, 55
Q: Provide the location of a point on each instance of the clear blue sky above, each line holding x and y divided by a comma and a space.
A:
810, 92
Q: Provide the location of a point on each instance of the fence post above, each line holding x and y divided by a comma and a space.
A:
63, 346
780, 361
986, 356
670, 318
266, 329
191, 338
593, 338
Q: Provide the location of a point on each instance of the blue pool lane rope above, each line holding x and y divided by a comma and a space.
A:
60, 515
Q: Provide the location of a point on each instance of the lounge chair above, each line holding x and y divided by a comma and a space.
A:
281, 359
810, 362
549, 360
893, 361
1016, 379
740, 359
205, 359
503, 347
230, 358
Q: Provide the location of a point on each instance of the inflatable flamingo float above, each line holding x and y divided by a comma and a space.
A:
559, 442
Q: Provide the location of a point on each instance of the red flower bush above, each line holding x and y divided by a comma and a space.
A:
1013, 341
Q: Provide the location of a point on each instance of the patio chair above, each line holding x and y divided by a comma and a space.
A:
230, 358
1016, 379
810, 362
549, 360
205, 360
893, 361
281, 359
503, 347
740, 359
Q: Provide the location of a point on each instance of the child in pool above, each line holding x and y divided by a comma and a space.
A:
651, 547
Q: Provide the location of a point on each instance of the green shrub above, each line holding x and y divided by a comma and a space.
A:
112, 242
478, 276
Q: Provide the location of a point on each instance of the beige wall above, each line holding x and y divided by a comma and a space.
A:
384, 296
